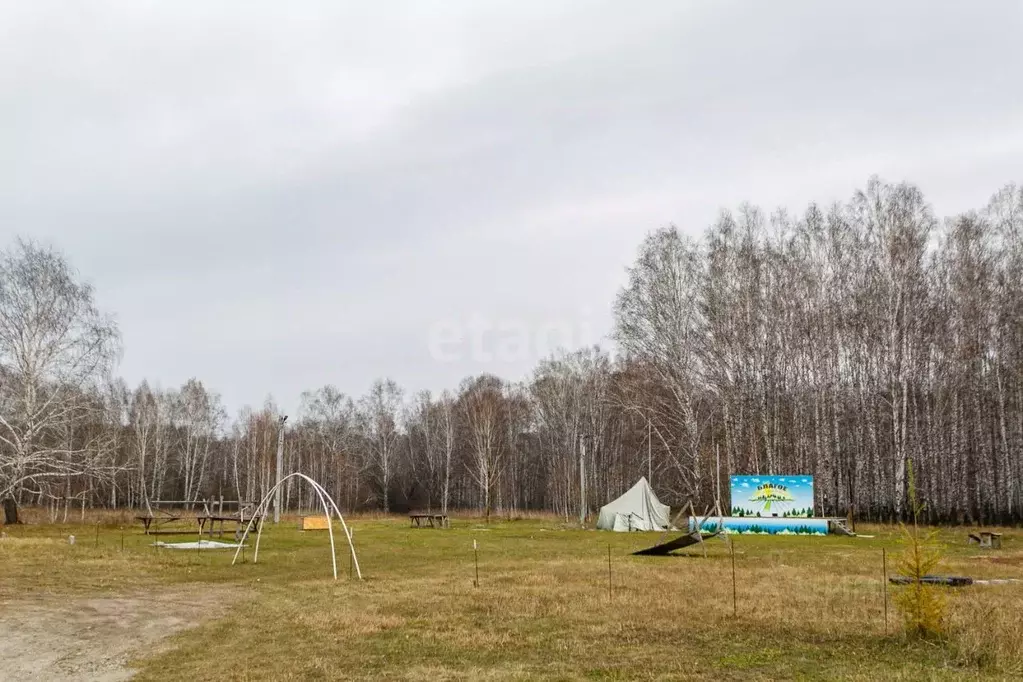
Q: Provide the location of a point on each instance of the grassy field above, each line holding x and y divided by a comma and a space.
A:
807, 608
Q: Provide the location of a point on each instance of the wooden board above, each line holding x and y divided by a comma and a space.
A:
670, 546
313, 523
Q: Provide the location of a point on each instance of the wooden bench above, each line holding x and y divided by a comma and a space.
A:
986, 539
431, 520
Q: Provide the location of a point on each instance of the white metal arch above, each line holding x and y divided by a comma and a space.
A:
348, 532
320, 492
324, 496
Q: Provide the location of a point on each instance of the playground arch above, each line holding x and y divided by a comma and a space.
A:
328, 509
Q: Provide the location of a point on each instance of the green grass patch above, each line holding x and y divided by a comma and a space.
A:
808, 607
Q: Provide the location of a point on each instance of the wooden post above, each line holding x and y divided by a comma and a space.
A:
609, 597
97, 535
735, 595
884, 585
476, 558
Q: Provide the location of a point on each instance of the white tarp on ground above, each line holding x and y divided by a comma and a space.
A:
202, 544
638, 509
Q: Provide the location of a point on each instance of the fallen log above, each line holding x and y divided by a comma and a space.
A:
947, 580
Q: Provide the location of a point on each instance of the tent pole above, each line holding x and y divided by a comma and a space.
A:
649, 452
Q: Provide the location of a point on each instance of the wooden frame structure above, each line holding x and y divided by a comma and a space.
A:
691, 537
213, 514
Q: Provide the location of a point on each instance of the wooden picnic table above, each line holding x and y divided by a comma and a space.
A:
431, 520
211, 515
986, 538
148, 521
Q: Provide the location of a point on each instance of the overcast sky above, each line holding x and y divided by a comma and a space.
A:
275, 196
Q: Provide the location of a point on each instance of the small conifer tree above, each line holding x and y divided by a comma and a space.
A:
923, 606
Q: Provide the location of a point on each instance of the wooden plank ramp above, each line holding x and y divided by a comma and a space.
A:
666, 548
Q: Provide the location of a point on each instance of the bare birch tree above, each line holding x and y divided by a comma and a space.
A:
483, 406
55, 346
378, 418
838, 342
200, 416
660, 321
331, 417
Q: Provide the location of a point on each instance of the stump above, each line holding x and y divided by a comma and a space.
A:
11, 512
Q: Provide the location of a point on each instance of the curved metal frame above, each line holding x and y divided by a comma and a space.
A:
324, 496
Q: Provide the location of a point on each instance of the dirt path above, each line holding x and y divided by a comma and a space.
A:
92, 638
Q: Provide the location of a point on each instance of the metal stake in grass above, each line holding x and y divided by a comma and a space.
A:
97, 535
476, 558
735, 596
884, 585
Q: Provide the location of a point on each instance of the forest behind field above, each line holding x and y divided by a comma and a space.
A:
843, 341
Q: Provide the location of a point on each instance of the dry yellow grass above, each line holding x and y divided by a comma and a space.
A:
808, 608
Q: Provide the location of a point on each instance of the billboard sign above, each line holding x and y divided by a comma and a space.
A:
772, 496
792, 525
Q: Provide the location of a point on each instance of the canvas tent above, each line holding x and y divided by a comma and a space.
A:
638, 509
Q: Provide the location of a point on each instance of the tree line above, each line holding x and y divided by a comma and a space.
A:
842, 342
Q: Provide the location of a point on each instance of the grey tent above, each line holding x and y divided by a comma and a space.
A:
638, 509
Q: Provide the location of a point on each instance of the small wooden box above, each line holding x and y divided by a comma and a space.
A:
313, 523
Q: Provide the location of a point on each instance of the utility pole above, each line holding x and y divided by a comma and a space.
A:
582, 479
280, 469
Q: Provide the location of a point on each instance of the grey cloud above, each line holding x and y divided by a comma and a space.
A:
275, 199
